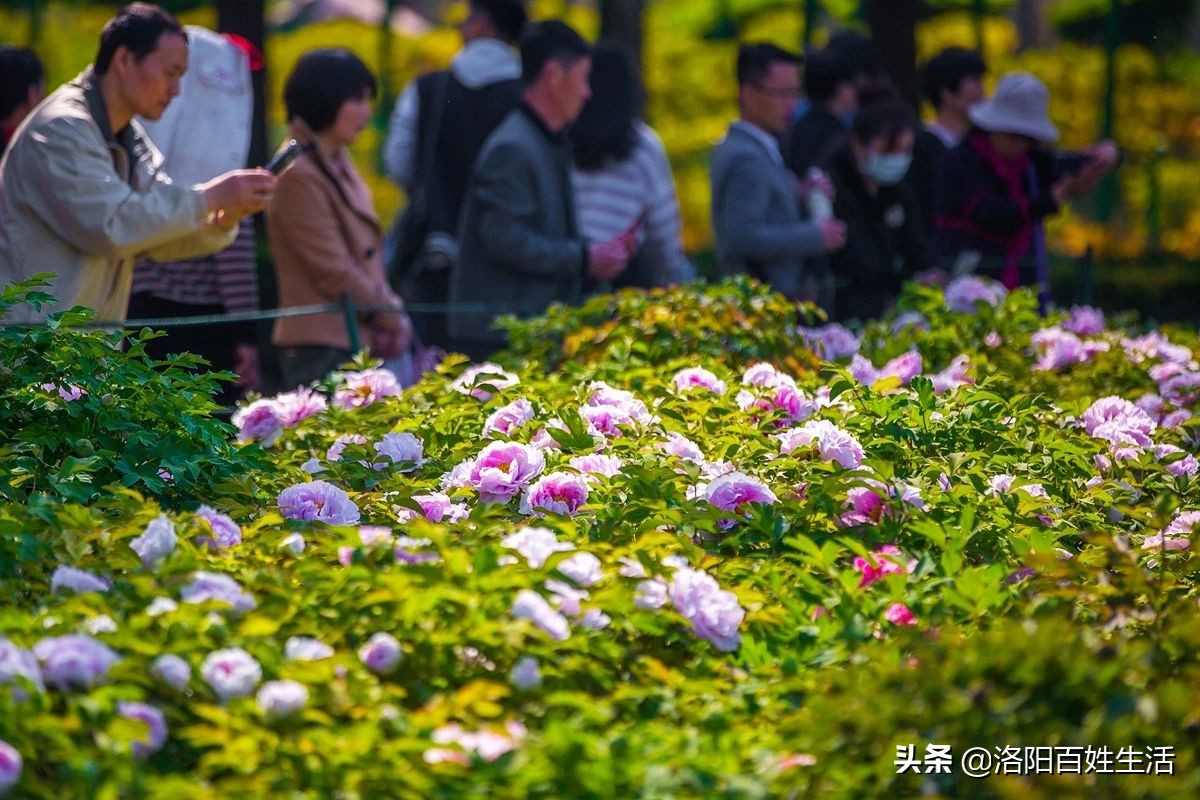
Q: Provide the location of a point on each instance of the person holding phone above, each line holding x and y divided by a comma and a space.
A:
622, 179
1001, 182
83, 191
325, 236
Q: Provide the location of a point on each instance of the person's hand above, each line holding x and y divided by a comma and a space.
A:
1105, 156
833, 234
814, 180
391, 333
607, 260
246, 365
238, 193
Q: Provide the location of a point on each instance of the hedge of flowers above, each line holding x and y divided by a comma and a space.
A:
749, 571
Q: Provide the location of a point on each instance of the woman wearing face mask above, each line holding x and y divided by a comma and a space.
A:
885, 241
1000, 184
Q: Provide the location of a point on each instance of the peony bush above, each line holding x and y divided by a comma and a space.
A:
620, 563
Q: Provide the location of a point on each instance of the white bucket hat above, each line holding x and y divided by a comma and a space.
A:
1020, 105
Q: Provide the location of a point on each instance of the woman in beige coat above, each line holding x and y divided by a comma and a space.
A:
325, 236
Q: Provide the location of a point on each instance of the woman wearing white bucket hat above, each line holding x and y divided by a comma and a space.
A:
1000, 183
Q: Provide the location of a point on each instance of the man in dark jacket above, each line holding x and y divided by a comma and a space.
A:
456, 110
952, 82
885, 244
1000, 186
520, 245
830, 87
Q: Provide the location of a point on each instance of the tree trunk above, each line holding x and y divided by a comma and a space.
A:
621, 23
893, 27
1032, 30
247, 18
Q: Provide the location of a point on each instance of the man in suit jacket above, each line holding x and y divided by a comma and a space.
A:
755, 207
520, 243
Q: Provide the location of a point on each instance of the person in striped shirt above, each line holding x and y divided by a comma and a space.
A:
622, 179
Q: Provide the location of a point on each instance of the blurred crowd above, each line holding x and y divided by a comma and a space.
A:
531, 179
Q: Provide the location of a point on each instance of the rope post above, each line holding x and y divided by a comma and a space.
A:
351, 323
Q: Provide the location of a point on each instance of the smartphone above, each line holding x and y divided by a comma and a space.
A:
284, 158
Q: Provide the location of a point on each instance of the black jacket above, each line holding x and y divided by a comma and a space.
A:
885, 243
929, 155
980, 211
813, 139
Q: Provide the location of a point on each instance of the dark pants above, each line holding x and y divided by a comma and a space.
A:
216, 344
301, 365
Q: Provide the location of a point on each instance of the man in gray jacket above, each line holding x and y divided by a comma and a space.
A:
82, 193
520, 243
755, 205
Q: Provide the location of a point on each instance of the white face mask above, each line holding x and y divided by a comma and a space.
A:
887, 169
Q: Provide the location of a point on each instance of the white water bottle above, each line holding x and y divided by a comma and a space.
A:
820, 207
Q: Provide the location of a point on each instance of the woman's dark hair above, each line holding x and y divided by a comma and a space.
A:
947, 70
606, 130
884, 119
321, 82
20, 70
826, 71
137, 26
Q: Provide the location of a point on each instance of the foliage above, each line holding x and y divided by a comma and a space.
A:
1044, 608
83, 410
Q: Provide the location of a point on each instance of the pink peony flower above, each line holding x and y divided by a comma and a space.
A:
361, 389
993, 340
952, 376
69, 392
909, 319
381, 654
964, 293
1119, 415
606, 466
459, 477
503, 469
173, 671
782, 396
607, 420
698, 378
231, 673
831, 442
525, 674
225, 532
10, 766
763, 375
1085, 321
156, 727
156, 542
74, 661
16, 665
334, 453
883, 565
536, 545
899, 614
292, 408
582, 568
830, 342
258, 422
1057, 349
1154, 345
479, 381
682, 447
557, 493
734, 491
530, 605
406, 552
1176, 535
438, 507
319, 501
404, 450
868, 505
566, 597
77, 581
625, 401
1180, 466
1003, 484
903, 367
281, 698
206, 586
507, 419
488, 745
651, 594
714, 613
